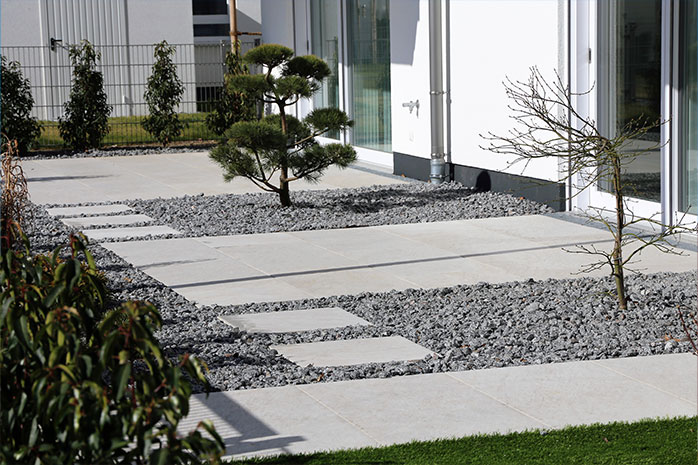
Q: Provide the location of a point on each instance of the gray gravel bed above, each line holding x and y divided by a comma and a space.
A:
115, 152
329, 209
469, 327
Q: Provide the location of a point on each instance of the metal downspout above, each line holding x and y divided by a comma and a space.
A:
436, 93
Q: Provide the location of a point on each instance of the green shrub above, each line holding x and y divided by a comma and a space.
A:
16, 106
162, 94
79, 389
232, 106
85, 121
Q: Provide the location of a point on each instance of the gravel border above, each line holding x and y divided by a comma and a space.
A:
469, 326
116, 152
200, 215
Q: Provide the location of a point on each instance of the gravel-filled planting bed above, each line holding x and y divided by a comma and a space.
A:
329, 209
469, 327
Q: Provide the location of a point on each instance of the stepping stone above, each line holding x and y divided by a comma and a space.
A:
353, 351
293, 321
89, 210
123, 233
87, 221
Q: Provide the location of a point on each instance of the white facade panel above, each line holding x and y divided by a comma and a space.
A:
277, 22
20, 23
409, 77
151, 21
490, 41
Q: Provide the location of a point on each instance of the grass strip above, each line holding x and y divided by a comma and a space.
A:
127, 130
662, 442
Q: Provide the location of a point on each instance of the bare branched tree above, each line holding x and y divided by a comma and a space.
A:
547, 124
15, 194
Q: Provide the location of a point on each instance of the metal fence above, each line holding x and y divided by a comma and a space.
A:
126, 69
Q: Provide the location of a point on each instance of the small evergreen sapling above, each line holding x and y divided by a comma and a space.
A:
163, 94
86, 118
17, 102
233, 106
280, 144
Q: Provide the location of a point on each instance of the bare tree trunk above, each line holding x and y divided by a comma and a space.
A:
617, 255
284, 195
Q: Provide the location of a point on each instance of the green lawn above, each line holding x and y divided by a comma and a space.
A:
661, 442
127, 130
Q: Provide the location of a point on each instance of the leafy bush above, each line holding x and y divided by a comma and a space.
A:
77, 389
233, 106
16, 106
281, 144
85, 122
163, 94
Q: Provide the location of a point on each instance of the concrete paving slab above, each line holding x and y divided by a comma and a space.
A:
273, 421
354, 281
241, 292
672, 373
88, 210
86, 222
353, 351
75, 180
294, 321
138, 231
418, 407
564, 394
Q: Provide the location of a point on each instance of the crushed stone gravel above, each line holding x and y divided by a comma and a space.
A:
468, 327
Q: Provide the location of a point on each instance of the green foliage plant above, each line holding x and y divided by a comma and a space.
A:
163, 94
77, 386
85, 120
233, 106
547, 124
280, 144
16, 106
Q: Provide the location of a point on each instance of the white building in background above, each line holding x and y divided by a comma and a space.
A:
37, 32
637, 56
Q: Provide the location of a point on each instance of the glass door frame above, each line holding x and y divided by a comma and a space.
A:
346, 89
589, 26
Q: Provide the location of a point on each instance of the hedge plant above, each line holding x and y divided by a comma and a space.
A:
77, 387
16, 106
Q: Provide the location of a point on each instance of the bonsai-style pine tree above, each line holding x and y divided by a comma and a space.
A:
280, 144
233, 106
17, 102
86, 118
162, 94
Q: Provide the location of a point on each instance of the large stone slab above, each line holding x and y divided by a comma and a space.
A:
353, 351
86, 222
123, 233
293, 321
88, 210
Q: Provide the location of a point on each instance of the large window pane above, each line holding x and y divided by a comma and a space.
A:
632, 75
689, 108
368, 30
325, 44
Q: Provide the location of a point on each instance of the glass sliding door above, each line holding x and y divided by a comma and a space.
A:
630, 91
368, 45
688, 108
324, 33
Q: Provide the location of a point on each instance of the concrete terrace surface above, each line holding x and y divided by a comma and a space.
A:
227, 270
100, 179
378, 412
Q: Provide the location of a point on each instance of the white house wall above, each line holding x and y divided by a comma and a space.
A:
19, 23
409, 76
492, 40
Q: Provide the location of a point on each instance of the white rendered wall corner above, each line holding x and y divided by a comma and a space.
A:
490, 41
409, 77
277, 22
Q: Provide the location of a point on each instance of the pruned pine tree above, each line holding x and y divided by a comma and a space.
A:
280, 148
547, 124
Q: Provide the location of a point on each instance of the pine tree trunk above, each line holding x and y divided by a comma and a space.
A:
617, 256
284, 195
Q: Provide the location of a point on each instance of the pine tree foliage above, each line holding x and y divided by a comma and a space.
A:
163, 94
85, 121
280, 148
